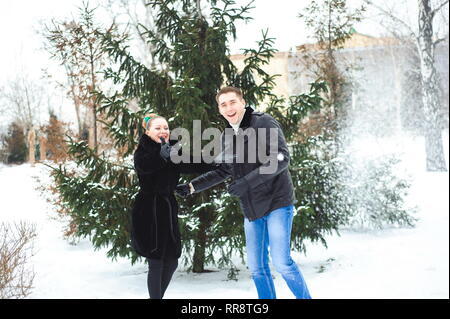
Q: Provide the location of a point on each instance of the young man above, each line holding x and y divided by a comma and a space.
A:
264, 187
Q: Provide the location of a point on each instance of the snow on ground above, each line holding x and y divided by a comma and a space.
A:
390, 263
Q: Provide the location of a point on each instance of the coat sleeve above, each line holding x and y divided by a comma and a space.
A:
277, 159
195, 168
146, 158
212, 178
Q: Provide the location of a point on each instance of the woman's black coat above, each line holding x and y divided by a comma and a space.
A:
154, 217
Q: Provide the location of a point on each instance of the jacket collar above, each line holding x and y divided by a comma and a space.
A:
245, 122
148, 142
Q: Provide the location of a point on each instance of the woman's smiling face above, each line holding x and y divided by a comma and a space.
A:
158, 128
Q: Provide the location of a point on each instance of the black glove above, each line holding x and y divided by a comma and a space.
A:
238, 188
183, 190
165, 150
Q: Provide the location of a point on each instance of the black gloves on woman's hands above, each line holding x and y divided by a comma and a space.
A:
165, 150
183, 190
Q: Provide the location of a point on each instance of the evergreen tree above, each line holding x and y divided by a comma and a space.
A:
193, 64
192, 49
15, 144
54, 133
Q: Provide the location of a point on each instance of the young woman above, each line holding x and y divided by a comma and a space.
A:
154, 222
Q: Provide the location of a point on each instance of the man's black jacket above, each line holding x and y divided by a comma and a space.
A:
268, 181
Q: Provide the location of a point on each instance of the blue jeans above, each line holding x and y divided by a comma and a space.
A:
274, 231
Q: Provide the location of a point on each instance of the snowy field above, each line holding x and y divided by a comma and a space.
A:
389, 263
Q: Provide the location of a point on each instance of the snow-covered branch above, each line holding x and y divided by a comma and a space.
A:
436, 42
439, 7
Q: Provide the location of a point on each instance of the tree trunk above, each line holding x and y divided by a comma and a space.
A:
32, 146
94, 102
76, 100
435, 160
42, 148
202, 239
200, 244
204, 215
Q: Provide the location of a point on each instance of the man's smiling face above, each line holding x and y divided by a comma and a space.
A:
231, 107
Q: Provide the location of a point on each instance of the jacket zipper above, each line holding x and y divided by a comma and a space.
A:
250, 202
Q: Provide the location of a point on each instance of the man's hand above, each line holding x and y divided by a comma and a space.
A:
238, 187
183, 190
165, 150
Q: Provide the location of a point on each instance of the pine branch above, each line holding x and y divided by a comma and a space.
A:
298, 107
225, 17
168, 21
121, 123
160, 49
99, 169
138, 80
99, 212
253, 65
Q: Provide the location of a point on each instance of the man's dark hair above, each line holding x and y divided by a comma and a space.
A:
228, 89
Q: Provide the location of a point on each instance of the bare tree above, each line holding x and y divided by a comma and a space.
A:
425, 40
76, 44
16, 249
22, 99
141, 18
431, 100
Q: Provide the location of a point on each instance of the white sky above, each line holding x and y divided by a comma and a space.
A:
19, 20
21, 45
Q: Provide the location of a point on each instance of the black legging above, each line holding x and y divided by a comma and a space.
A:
160, 273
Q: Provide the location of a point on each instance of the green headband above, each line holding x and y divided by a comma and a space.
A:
147, 120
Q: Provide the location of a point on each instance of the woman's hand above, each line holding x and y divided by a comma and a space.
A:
184, 190
165, 150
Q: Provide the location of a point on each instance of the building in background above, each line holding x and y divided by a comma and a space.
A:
384, 71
